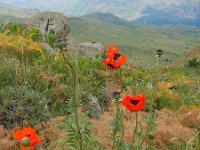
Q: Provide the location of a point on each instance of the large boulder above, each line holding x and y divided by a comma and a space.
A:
56, 23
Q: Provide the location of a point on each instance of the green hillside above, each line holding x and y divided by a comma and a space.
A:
107, 18
139, 42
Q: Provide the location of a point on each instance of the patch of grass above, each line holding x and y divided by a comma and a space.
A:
20, 103
165, 102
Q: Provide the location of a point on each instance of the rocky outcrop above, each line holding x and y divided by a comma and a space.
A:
85, 48
56, 23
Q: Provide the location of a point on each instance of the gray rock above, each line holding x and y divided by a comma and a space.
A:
94, 107
104, 98
85, 48
50, 22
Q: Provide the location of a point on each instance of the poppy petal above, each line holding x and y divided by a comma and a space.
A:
39, 141
112, 51
109, 64
24, 148
113, 48
122, 60
30, 133
18, 135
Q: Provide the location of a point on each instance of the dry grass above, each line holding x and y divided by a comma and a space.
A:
59, 90
6, 139
51, 132
170, 130
190, 117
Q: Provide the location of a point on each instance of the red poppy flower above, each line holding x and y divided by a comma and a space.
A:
134, 103
114, 60
28, 134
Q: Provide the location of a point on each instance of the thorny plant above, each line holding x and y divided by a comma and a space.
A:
77, 127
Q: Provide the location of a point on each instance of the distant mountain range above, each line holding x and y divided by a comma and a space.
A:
156, 17
120, 12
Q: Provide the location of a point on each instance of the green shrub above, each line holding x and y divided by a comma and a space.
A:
165, 102
14, 28
193, 62
34, 34
20, 103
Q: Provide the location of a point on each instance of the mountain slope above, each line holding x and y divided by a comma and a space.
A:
106, 18
139, 43
195, 52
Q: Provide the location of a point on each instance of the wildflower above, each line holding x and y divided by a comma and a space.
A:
114, 60
134, 103
28, 138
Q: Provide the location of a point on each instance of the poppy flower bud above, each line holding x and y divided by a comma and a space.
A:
116, 95
25, 142
159, 53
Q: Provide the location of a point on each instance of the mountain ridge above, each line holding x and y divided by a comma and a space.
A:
107, 18
156, 17
126, 9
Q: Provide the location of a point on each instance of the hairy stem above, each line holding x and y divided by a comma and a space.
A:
74, 76
135, 130
121, 113
75, 101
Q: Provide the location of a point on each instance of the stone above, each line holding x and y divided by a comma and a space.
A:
93, 107
85, 48
53, 22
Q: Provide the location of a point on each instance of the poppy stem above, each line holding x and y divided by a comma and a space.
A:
121, 82
75, 101
135, 130
78, 130
152, 113
73, 74
120, 117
